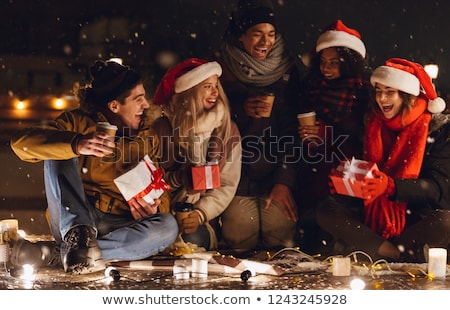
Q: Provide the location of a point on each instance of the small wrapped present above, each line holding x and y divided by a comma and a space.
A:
143, 181
206, 177
347, 177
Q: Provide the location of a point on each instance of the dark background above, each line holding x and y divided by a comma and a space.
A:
47, 45
77, 32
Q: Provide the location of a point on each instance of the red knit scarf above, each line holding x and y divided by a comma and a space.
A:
397, 146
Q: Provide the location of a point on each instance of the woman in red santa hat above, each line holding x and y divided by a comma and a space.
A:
196, 129
407, 208
337, 89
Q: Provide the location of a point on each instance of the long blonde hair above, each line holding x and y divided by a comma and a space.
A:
186, 108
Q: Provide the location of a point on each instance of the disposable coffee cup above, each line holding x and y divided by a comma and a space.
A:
265, 108
107, 128
182, 211
307, 119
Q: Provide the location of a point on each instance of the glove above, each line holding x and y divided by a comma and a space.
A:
374, 187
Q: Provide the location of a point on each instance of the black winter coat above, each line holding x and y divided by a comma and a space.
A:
432, 189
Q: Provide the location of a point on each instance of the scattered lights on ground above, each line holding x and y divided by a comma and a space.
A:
357, 284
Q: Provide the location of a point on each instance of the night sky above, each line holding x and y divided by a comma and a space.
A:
42, 36
412, 29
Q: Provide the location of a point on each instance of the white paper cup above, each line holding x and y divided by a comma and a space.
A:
307, 119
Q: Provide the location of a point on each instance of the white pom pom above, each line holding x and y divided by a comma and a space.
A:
436, 105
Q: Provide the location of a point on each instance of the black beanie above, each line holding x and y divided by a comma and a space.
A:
250, 13
111, 79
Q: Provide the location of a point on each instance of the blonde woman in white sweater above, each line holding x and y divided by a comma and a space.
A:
196, 130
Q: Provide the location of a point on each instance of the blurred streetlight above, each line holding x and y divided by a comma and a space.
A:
432, 69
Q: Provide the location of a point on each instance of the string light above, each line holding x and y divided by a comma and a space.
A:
112, 273
357, 284
247, 274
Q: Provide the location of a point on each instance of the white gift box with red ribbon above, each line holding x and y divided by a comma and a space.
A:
206, 177
348, 176
144, 181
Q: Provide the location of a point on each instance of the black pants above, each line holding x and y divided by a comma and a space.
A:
343, 218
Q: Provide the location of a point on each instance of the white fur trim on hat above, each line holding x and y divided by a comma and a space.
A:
334, 38
436, 105
396, 78
197, 75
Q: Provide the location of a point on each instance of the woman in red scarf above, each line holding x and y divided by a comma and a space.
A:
408, 200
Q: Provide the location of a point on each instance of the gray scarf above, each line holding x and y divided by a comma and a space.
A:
258, 72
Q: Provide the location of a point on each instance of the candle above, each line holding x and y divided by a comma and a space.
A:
199, 268
437, 262
4, 253
181, 270
341, 266
10, 229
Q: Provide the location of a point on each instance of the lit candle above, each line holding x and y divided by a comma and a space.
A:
180, 270
10, 229
437, 262
341, 266
199, 268
4, 252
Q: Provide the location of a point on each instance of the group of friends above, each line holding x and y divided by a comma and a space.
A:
275, 191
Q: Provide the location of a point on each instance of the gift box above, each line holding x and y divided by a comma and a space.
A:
205, 177
348, 176
144, 181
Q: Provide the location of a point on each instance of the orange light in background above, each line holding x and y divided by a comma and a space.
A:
59, 104
20, 105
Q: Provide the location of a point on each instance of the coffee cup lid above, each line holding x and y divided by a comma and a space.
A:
106, 125
300, 115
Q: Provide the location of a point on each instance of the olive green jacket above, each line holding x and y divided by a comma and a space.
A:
54, 140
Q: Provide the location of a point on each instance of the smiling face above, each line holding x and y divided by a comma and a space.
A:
329, 63
133, 107
209, 92
258, 40
388, 100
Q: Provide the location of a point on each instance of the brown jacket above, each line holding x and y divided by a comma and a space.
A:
54, 139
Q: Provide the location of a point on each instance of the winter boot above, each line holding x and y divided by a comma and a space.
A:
81, 253
38, 254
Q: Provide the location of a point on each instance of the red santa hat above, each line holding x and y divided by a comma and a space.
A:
184, 76
337, 34
410, 78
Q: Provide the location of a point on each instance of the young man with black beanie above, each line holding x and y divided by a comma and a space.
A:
89, 218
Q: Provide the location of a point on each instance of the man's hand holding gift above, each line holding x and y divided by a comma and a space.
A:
140, 208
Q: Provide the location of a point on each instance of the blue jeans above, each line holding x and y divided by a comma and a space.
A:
119, 237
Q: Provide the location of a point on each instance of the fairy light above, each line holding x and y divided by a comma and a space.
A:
247, 274
112, 274
357, 284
